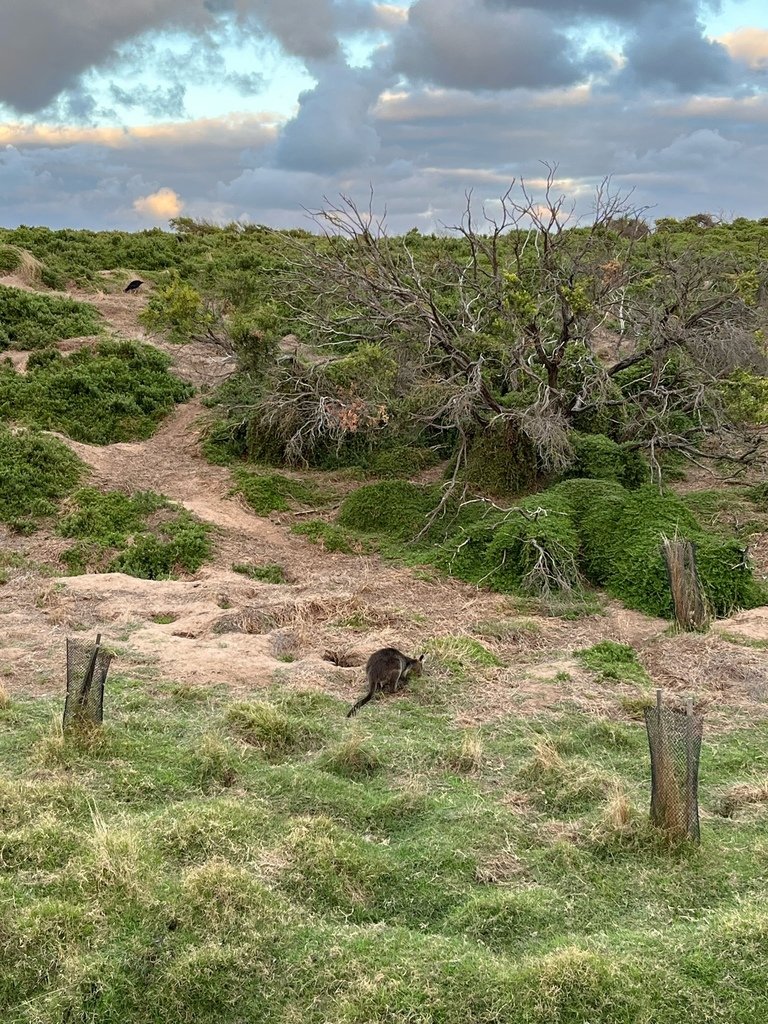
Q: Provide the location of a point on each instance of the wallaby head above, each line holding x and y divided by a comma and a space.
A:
387, 669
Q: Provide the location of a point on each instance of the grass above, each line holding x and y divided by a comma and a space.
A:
273, 492
743, 641
264, 573
210, 860
613, 661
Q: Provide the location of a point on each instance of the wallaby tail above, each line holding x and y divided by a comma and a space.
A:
363, 700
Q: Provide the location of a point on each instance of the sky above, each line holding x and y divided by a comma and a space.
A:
127, 114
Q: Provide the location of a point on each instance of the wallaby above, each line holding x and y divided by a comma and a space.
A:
387, 669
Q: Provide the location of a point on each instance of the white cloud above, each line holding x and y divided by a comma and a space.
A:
160, 205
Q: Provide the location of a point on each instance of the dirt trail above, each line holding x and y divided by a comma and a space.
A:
222, 627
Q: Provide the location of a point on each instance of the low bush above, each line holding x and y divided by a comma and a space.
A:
36, 472
141, 535
118, 391
263, 573
31, 320
600, 458
273, 492
579, 531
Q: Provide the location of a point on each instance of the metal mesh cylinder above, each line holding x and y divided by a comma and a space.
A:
674, 739
87, 667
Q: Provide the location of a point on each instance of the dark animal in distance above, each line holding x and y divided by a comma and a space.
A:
387, 670
133, 286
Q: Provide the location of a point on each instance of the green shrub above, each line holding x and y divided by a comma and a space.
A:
182, 544
399, 461
31, 320
118, 391
394, 508
109, 518
35, 473
10, 259
502, 461
581, 530
600, 458
141, 535
178, 308
368, 368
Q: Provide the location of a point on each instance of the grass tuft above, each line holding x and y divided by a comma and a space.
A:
272, 730
353, 758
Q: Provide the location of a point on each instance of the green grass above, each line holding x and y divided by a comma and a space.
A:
203, 860
273, 492
29, 320
118, 391
142, 535
614, 661
264, 573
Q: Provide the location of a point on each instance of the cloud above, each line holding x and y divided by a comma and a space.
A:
160, 205
669, 46
469, 44
748, 45
332, 129
56, 42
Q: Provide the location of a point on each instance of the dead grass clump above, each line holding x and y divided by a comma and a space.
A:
502, 867
738, 798
113, 861
562, 786
52, 748
346, 612
5, 697
284, 642
524, 635
344, 658
468, 757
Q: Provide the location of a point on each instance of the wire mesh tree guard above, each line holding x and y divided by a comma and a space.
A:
87, 668
674, 739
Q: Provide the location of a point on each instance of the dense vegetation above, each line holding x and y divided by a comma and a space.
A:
35, 473
215, 861
118, 391
29, 320
141, 535
577, 532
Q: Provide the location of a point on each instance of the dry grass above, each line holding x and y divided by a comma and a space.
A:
738, 798
468, 757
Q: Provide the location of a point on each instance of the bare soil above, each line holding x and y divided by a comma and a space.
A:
228, 630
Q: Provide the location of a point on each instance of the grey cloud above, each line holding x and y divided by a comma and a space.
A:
332, 129
165, 101
669, 48
469, 45
46, 45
